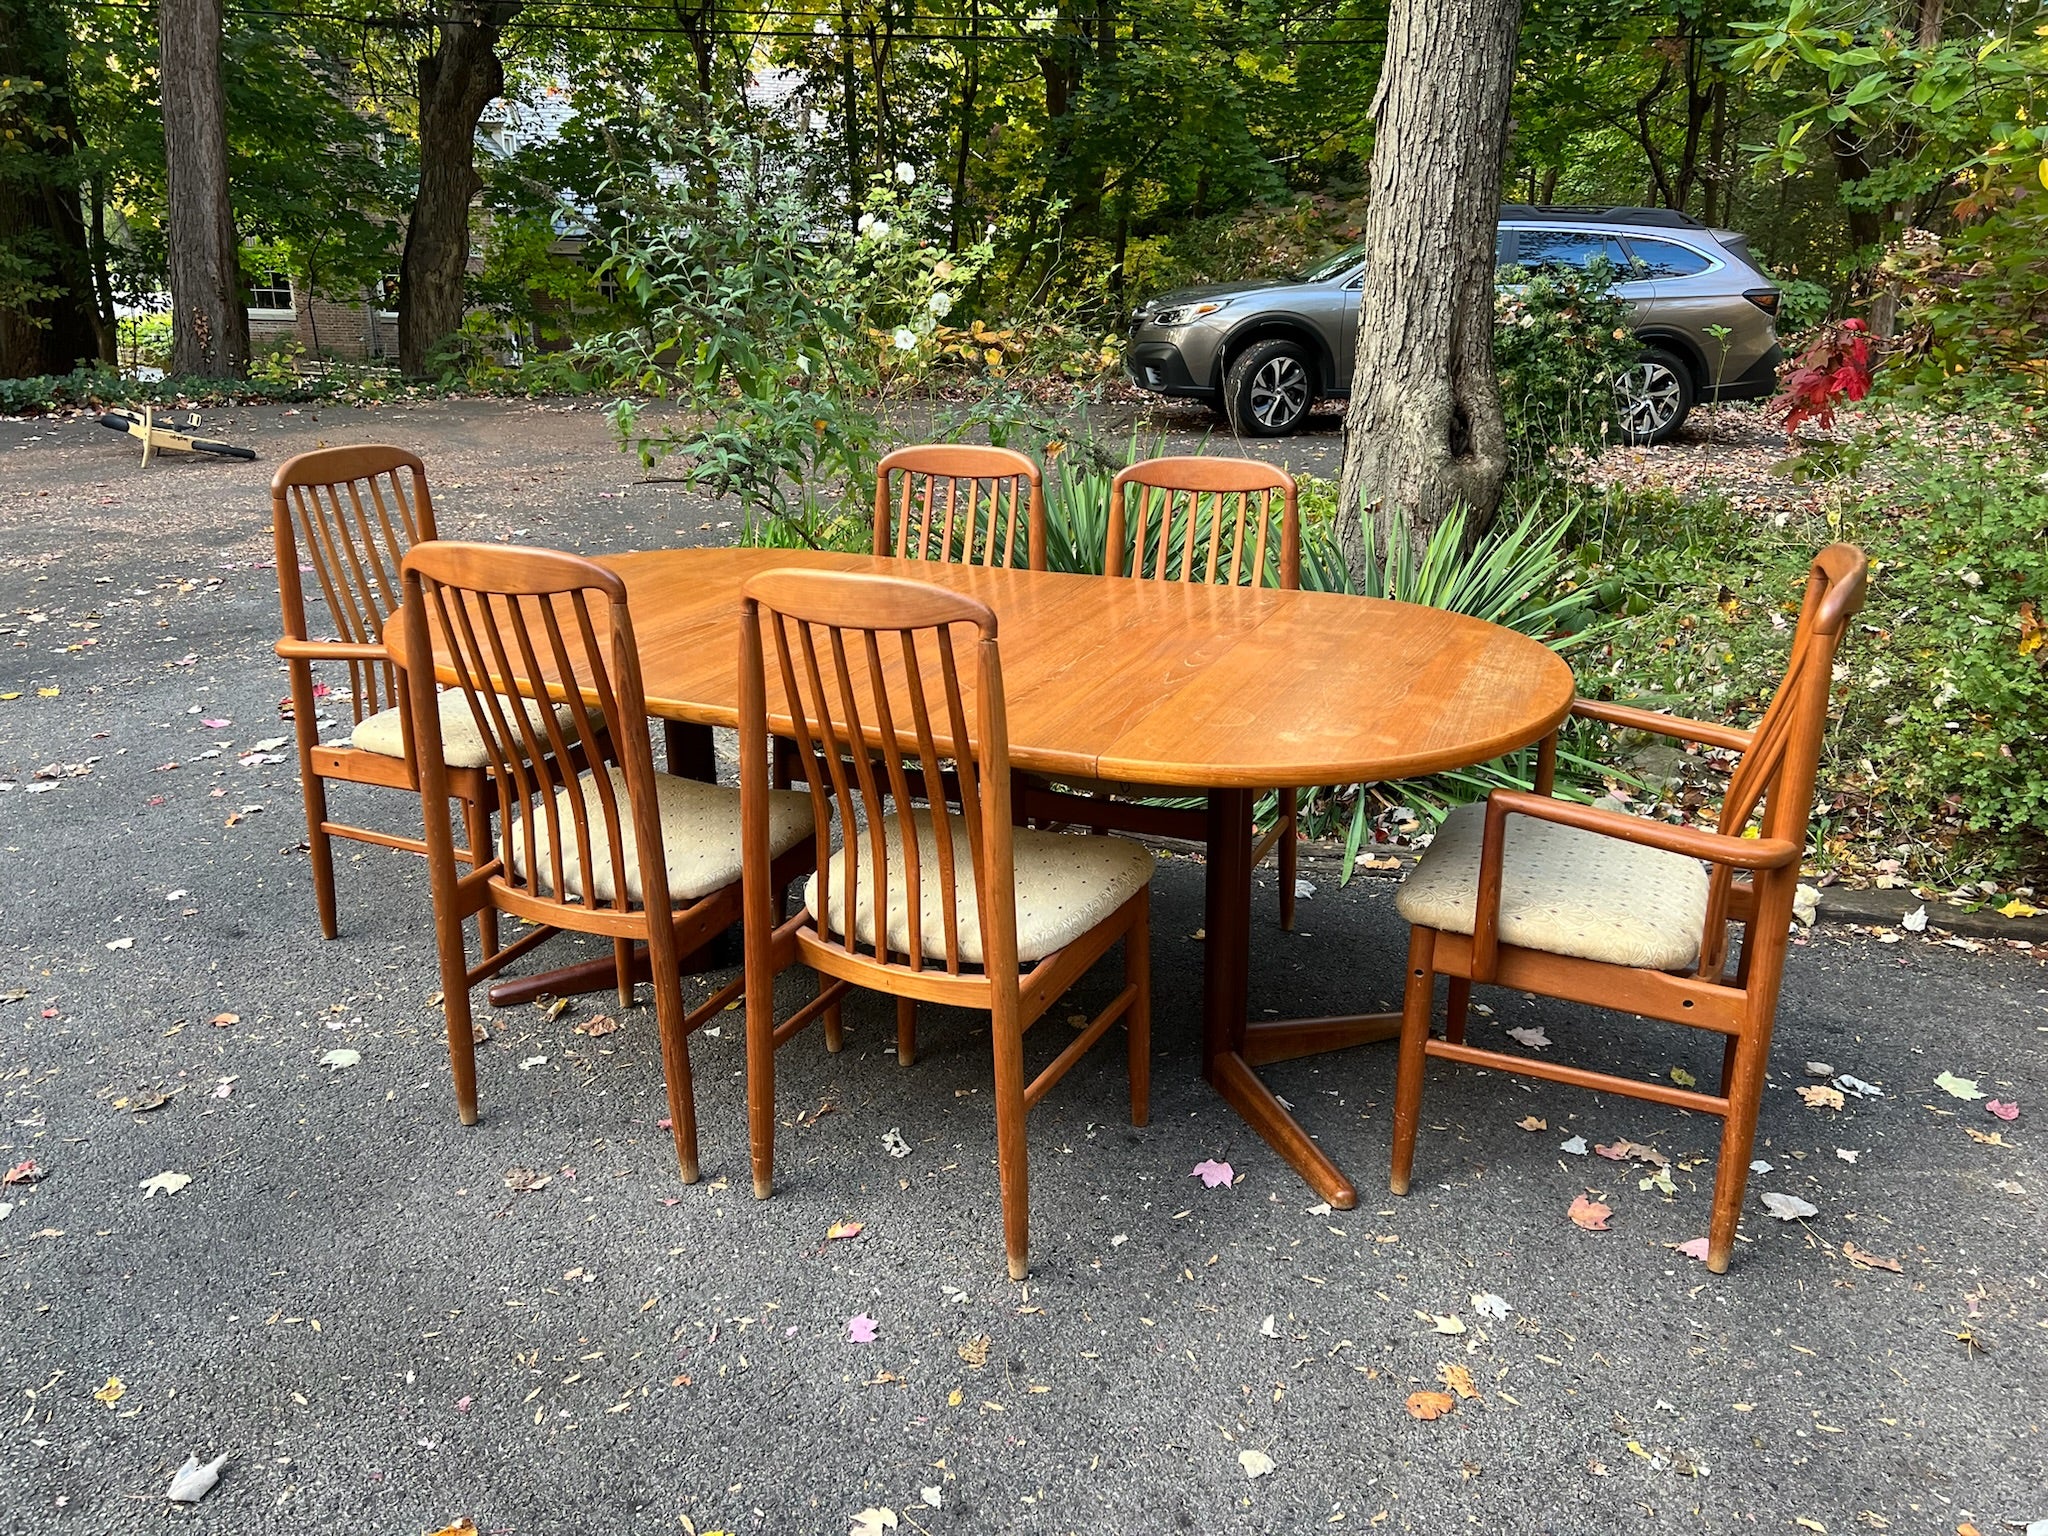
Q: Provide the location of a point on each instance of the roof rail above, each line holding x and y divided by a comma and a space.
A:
1663, 218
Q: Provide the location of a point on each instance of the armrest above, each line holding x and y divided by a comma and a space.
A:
330, 650
1751, 853
1730, 738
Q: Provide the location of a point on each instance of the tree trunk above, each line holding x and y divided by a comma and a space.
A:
461, 77
46, 298
209, 317
1424, 433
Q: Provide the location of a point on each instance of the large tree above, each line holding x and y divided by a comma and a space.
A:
209, 318
461, 77
46, 302
1424, 432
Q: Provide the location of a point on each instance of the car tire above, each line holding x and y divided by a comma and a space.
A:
1269, 389
1653, 398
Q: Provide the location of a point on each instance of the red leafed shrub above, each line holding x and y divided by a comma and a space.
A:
1836, 367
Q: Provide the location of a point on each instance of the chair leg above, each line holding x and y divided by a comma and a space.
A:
1012, 1162
675, 1064
622, 965
321, 847
835, 1022
476, 827
455, 1006
1138, 1022
1416, 999
1289, 858
1728, 1047
1738, 1136
906, 1032
1456, 1006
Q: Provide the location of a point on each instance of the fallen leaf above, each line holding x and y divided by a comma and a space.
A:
1693, 1248
1531, 1123
223, 1020
932, 1496
1255, 1463
526, 1180
1819, 1069
1531, 1036
1987, 1138
1576, 1145
1857, 1086
1590, 1214
603, 1024
1914, 921
1959, 1087
2004, 1111
1683, 1078
27, 1172
1269, 1328
1214, 1175
1486, 1304
1458, 1378
1659, 1181
2018, 908
1430, 1405
1864, 1259
1451, 1324
1801, 1520
1634, 1152
165, 1183
1789, 1207
195, 1480
861, 1329
112, 1392
894, 1144
872, 1522
339, 1059
120, 943
1820, 1096
841, 1230
975, 1350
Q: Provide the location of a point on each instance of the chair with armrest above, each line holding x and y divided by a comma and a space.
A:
921, 901
1620, 911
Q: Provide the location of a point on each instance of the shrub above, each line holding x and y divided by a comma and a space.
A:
1976, 304
1560, 341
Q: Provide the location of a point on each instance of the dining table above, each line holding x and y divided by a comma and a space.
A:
1188, 689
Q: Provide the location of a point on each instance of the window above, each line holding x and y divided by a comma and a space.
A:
1667, 258
273, 290
1540, 248
387, 292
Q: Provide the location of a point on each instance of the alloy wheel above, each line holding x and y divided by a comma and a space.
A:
1279, 393
1649, 396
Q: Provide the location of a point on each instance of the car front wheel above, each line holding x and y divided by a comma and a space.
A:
1269, 389
1653, 397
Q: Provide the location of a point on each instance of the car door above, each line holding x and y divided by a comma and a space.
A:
1537, 248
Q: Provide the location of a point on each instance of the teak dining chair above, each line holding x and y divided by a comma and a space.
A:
921, 902
350, 515
593, 840
1616, 911
1194, 519
961, 503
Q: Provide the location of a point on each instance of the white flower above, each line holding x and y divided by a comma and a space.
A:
905, 172
905, 338
941, 303
822, 27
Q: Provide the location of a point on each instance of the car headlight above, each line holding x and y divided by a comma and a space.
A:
1181, 314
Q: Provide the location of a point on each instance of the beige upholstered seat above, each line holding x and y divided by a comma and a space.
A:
700, 836
461, 745
1565, 892
1065, 886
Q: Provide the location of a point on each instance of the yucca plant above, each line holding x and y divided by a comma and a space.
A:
1510, 576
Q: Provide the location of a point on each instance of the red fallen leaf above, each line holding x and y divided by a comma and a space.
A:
2004, 1111
1591, 1214
29, 1172
1694, 1248
842, 1229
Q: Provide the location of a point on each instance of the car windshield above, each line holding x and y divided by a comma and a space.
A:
1334, 266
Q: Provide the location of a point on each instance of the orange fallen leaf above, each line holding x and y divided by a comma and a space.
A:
463, 1527
1591, 1214
1531, 1123
1430, 1405
1458, 1378
223, 1020
843, 1229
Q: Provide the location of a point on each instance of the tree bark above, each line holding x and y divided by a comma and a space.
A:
1424, 433
209, 317
461, 77
46, 297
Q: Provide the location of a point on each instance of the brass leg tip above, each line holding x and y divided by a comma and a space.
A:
763, 1188
1019, 1270
1398, 1186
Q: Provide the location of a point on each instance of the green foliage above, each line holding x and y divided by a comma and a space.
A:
1933, 753
1976, 304
1560, 340
1802, 303
97, 388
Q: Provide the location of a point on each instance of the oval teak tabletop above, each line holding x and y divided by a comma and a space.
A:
1162, 683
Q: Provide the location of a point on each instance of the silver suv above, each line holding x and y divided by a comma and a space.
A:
1261, 354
